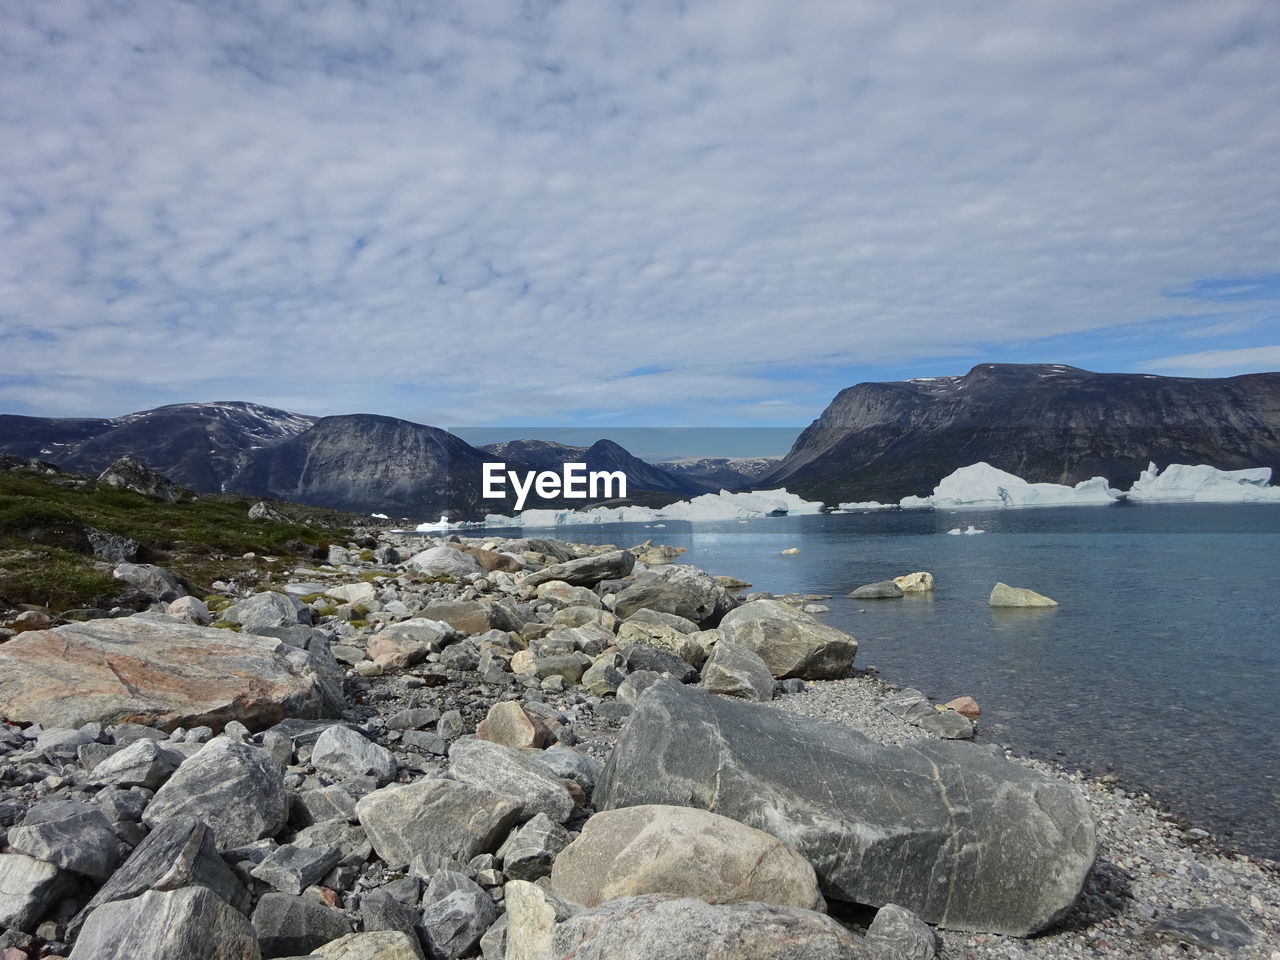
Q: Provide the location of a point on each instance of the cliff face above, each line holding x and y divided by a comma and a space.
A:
364, 462
1045, 423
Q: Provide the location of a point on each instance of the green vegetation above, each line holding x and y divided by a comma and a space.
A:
46, 558
366, 556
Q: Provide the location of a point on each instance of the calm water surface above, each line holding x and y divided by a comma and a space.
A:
1162, 663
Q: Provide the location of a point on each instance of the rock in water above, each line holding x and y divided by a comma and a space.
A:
684, 852
791, 642
236, 789
187, 924
159, 672
540, 927
951, 831
1003, 595
883, 590
920, 582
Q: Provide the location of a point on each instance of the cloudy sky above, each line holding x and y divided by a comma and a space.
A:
597, 212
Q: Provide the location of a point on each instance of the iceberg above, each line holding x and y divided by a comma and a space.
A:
867, 505
1180, 483
982, 485
710, 506
441, 524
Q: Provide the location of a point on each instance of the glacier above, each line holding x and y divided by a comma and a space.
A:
709, 506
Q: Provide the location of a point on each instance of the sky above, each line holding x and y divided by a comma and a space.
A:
613, 214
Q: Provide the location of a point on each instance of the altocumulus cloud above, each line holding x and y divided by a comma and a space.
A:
477, 211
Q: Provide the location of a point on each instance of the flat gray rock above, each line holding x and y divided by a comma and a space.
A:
267, 609
504, 770
236, 789
585, 571
1214, 928
29, 889
342, 754
882, 590
450, 819
290, 926
74, 836
951, 831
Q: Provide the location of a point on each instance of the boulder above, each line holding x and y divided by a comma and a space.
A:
341, 753
529, 852
965, 706
566, 595
29, 889
641, 658
179, 853
444, 817
491, 561
128, 473
569, 764
734, 671
143, 763
881, 590
539, 927
395, 651
361, 592
688, 598
681, 851
266, 610
445, 562
639, 633
291, 869
151, 581
453, 925
187, 924
469, 617
192, 610
378, 945
879, 824
236, 789
289, 926
508, 724
1003, 595
111, 546
165, 674
502, 770
921, 582
1215, 928
72, 835
789, 641
901, 934
585, 571
265, 511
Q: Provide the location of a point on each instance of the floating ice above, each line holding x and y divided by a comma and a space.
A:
867, 505
1180, 483
710, 506
970, 530
379, 516
982, 485
441, 524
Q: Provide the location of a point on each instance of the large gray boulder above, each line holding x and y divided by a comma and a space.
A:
150, 580
445, 562
585, 571
542, 927
266, 610
341, 753
734, 671
236, 789
157, 671
446, 818
187, 924
504, 770
178, 853
29, 889
681, 851
790, 641
289, 926
70, 834
954, 832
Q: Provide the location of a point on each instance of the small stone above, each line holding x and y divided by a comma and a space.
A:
965, 706
902, 934
509, 725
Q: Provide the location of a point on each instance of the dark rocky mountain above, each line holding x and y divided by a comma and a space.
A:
46, 437
1043, 422
368, 463
197, 445
536, 454
722, 473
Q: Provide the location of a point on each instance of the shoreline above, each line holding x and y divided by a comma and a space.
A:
419, 697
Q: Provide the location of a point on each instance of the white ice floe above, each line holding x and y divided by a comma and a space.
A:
710, 506
867, 505
1180, 483
982, 485
970, 530
379, 516
441, 524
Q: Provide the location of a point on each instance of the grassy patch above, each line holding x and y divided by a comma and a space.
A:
45, 557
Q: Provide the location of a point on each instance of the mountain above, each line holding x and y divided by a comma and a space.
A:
721, 473
1042, 422
601, 455
197, 445
368, 463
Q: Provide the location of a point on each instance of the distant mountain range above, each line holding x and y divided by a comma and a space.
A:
876, 441
1042, 422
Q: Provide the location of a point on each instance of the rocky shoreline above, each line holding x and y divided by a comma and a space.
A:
527, 748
